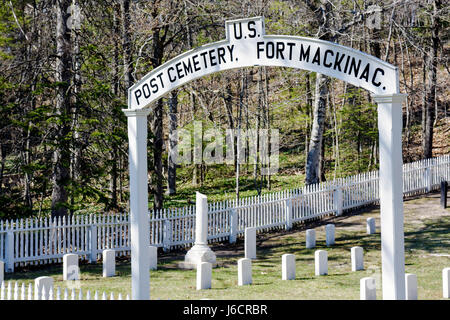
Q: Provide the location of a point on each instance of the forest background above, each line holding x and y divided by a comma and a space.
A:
66, 65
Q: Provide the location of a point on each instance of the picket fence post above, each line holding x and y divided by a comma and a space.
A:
233, 225
338, 201
288, 213
428, 179
93, 244
167, 235
9, 251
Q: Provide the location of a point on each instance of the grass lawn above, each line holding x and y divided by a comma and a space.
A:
427, 252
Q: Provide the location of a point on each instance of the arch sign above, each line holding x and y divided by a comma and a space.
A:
247, 45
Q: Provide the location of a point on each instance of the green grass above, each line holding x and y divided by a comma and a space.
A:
427, 243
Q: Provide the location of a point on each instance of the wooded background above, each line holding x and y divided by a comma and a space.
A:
64, 79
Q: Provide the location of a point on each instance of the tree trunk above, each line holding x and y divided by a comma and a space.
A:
173, 141
315, 144
126, 45
432, 62
157, 130
61, 155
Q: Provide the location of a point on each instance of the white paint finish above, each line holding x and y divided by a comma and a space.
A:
321, 262
288, 267
446, 283
325, 57
153, 257
200, 252
357, 255
310, 238
330, 234
109, 263
139, 224
391, 195
371, 226
244, 271
367, 289
71, 270
204, 275
410, 286
250, 243
42, 284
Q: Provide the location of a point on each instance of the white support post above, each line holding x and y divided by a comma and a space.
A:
288, 213
9, 251
139, 220
338, 201
391, 195
2, 272
93, 244
233, 225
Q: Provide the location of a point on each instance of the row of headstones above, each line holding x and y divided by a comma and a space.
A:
43, 290
204, 269
368, 287
71, 270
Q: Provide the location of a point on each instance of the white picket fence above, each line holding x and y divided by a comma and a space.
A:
19, 291
43, 241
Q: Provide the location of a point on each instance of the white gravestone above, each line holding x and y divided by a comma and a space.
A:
71, 270
42, 284
244, 271
321, 262
446, 283
109, 263
371, 227
2, 272
367, 289
200, 252
288, 267
410, 286
329, 231
357, 255
153, 256
250, 243
310, 238
204, 275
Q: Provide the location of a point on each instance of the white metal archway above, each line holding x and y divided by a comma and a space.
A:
247, 45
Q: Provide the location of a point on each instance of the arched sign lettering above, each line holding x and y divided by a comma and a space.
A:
247, 45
